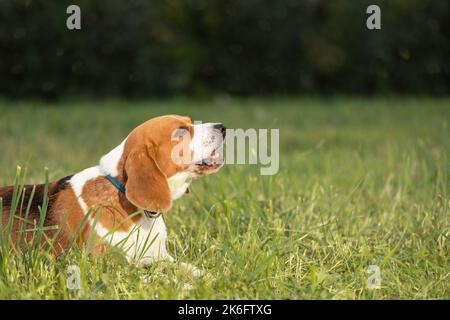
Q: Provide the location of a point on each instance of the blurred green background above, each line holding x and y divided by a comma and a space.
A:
141, 48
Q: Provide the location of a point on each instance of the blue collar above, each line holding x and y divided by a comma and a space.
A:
116, 183
121, 188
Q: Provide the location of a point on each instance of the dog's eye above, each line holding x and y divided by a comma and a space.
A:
180, 132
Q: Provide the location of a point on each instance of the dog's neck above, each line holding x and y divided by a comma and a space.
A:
112, 163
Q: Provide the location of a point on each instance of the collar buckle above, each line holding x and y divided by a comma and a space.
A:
152, 214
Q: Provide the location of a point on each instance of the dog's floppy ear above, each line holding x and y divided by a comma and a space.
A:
146, 185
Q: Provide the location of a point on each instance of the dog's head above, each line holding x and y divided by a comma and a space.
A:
163, 155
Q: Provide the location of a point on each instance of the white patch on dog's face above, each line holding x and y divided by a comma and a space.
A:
208, 137
203, 145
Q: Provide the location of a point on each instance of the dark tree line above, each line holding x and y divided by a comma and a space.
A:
243, 47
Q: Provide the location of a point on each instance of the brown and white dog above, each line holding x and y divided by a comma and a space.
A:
118, 198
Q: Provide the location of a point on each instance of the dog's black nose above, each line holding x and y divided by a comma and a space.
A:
220, 127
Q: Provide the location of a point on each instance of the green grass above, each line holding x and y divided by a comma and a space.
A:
361, 182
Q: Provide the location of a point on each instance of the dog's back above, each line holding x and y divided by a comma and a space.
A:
24, 218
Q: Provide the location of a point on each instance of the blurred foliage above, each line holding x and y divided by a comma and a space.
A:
199, 47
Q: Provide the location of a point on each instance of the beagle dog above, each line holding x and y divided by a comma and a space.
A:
121, 201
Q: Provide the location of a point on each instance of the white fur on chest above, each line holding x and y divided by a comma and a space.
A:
144, 243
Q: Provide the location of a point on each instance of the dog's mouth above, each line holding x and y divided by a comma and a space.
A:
214, 161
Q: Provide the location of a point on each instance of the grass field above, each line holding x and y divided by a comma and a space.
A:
361, 182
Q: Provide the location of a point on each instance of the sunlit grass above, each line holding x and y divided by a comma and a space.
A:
361, 182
